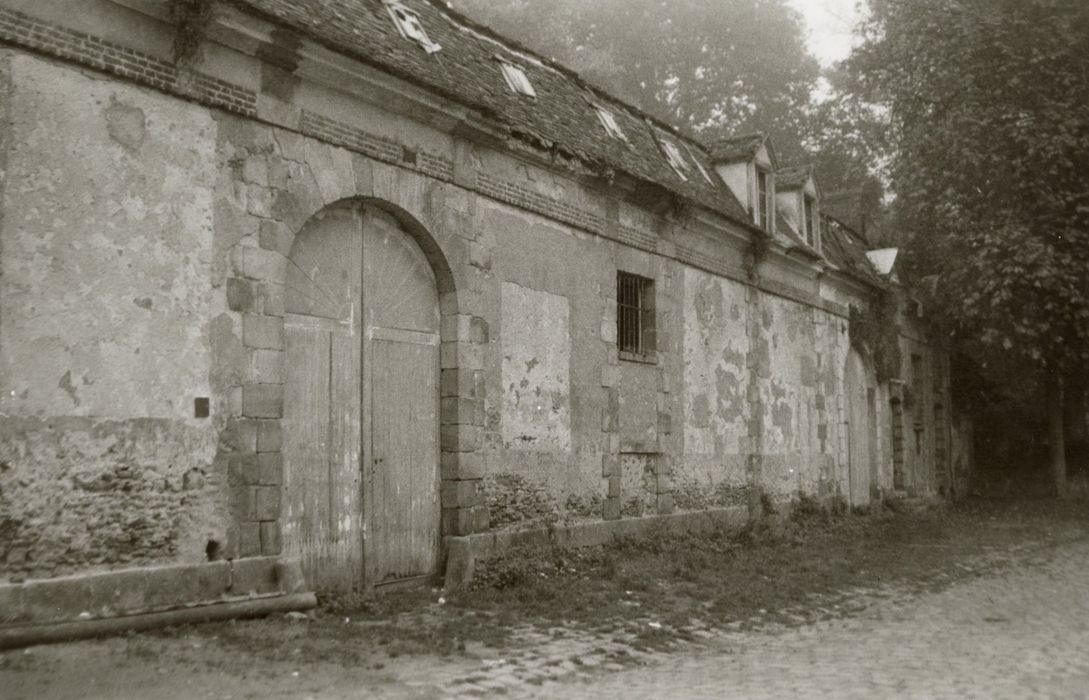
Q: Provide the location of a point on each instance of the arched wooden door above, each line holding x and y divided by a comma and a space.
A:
861, 429
360, 426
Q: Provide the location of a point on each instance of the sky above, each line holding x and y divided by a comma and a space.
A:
829, 24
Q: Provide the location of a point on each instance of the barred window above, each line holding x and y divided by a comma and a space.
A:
635, 316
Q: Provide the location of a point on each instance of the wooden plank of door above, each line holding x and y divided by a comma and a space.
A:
322, 405
404, 424
345, 467
306, 446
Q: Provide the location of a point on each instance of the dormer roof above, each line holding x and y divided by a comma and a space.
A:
796, 177
741, 148
792, 177
883, 260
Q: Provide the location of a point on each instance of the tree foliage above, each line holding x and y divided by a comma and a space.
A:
987, 110
724, 67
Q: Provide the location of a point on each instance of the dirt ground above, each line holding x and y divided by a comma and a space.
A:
537, 617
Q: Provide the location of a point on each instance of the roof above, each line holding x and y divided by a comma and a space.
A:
786, 234
846, 249
467, 70
791, 239
883, 259
736, 148
792, 177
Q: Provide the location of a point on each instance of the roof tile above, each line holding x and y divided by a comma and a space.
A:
467, 70
846, 250
793, 176
736, 148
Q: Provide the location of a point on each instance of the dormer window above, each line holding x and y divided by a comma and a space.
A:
676, 160
745, 164
608, 121
797, 205
516, 79
409, 25
810, 214
763, 199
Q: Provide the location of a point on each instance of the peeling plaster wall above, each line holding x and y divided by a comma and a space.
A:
793, 456
536, 367
761, 377
106, 248
638, 408
716, 379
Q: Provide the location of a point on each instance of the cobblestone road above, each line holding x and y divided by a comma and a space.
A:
1017, 629
1017, 632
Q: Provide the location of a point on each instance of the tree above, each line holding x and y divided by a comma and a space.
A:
987, 114
720, 68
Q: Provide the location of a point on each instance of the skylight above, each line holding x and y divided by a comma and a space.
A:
408, 23
673, 155
516, 79
699, 165
608, 120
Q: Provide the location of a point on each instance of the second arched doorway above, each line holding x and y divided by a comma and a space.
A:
859, 390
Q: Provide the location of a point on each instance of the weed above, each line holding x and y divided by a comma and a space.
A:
767, 504
512, 499
717, 577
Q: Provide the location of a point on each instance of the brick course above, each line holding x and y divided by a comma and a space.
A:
19, 28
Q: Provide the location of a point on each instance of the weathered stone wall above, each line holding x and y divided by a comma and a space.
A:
143, 244
105, 345
761, 383
718, 364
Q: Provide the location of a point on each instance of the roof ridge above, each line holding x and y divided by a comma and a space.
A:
752, 135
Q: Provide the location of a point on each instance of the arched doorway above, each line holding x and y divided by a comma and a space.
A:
361, 401
861, 425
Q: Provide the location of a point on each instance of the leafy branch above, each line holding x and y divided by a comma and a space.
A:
875, 331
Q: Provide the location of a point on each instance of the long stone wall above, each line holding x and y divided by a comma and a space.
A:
144, 232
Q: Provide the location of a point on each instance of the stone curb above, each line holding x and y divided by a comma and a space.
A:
27, 635
145, 590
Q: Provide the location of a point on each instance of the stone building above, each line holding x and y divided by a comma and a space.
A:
360, 275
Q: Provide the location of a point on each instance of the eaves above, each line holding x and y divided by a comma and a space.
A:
555, 154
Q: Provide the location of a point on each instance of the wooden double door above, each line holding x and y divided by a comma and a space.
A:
361, 402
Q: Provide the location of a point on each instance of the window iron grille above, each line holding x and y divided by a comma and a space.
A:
634, 314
